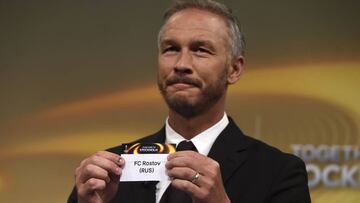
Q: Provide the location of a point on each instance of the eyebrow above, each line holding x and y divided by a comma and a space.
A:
193, 43
168, 42
206, 43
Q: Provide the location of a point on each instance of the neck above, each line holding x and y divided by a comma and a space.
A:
190, 127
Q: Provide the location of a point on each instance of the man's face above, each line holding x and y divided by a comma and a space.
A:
193, 61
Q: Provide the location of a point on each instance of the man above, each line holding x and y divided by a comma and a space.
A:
200, 54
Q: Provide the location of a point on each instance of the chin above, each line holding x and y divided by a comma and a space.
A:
184, 106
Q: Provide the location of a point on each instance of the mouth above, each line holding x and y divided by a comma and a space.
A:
183, 83
182, 86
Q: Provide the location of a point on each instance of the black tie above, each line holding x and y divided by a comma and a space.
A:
173, 195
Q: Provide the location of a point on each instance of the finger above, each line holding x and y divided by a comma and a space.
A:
191, 176
111, 156
201, 193
182, 154
195, 161
93, 184
104, 163
92, 171
192, 161
186, 186
183, 173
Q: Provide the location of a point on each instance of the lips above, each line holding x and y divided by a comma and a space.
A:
183, 82
182, 86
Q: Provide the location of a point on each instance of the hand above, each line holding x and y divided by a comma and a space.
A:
208, 187
97, 177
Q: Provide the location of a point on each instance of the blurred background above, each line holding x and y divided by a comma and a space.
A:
78, 76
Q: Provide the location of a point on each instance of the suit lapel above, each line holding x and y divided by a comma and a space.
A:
229, 150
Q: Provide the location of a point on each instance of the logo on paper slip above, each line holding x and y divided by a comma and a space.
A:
150, 148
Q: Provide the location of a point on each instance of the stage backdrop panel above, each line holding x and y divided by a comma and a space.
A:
78, 76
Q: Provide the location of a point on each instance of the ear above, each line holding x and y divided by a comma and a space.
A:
235, 70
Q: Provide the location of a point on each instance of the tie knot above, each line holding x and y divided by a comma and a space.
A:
186, 145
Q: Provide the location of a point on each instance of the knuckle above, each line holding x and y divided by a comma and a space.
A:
106, 174
89, 169
215, 169
216, 164
203, 194
83, 162
212, 175
94, 159
206, 193
77, 171
186, 185
80, 190
99, 153
211, 183
190, 175
92, 183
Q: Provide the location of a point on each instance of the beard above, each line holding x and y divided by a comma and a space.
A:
209, 95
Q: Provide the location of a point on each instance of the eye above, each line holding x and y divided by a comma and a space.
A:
203, 50
170, 49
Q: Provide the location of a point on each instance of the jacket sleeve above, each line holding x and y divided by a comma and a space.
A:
73, 196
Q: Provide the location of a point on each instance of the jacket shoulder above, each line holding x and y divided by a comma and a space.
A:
269, 154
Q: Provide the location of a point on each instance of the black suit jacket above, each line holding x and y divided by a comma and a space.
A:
252, 172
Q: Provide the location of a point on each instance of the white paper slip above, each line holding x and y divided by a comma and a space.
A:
144, 167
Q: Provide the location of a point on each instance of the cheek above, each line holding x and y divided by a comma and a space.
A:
164, 66
210, 72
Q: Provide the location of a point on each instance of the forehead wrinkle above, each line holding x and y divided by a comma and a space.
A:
168, 41
203, 27
171, 35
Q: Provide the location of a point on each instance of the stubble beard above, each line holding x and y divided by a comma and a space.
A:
206, 99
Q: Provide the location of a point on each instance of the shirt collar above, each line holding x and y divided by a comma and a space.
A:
202, 141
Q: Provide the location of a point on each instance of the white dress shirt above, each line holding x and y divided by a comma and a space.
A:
203, 143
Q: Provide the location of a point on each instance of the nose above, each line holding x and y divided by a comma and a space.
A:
183, 64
